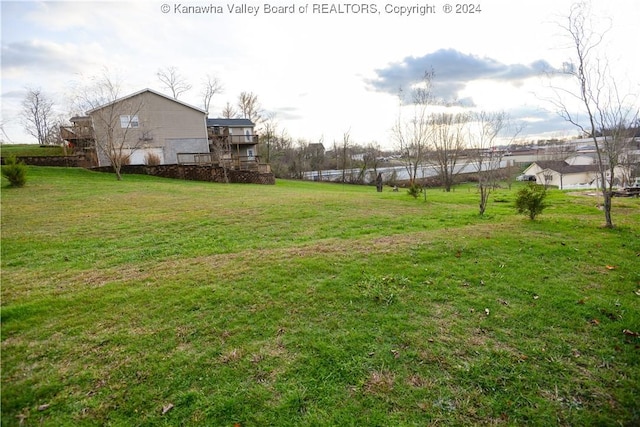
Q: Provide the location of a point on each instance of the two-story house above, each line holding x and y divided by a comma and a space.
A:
144, 127
233, 142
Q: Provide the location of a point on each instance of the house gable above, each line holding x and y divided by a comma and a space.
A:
143, 91
150, 122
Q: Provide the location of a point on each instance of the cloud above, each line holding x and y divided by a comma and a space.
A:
453, 71
287, 113
34, 54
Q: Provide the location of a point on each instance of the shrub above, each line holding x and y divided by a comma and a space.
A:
530, 200
414, 190
152, 159
15, 172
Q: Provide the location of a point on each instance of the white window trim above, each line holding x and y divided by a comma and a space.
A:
129, 121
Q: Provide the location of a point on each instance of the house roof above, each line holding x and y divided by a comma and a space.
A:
143, 91
230, 123
564, 168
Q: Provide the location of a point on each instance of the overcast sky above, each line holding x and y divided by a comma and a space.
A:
321, 73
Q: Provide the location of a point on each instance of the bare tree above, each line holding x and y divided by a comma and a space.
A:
118, 129
413, 133
447, 145
250, 107
297, 161
282, 154
211, 87
371, 159
37, 116
316, 155
229, 111
172, 80
268, 135
602, 107
343, 153
484, 129
3, 134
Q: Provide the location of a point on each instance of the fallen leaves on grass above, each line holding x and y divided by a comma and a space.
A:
611, 267
595, 322
232, 356
630, 333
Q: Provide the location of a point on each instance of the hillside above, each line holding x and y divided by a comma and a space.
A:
164, 302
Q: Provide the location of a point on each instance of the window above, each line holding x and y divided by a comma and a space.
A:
129, 121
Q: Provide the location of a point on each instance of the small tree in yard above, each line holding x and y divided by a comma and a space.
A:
118, 129
414, 190
37, 116
600, 108
15, 172
530, 200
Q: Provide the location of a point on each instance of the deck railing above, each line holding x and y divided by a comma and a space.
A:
232, 162
73, 133
233, 139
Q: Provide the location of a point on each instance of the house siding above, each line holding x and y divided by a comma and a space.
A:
562, 175
163, 124
173, 146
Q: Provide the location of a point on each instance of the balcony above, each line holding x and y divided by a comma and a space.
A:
75, 133
232, 140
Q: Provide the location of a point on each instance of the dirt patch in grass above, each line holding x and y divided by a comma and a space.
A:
379, 382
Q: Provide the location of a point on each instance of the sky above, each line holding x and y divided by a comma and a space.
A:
321, 70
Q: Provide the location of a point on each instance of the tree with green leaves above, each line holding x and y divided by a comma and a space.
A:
15, 171
530, 200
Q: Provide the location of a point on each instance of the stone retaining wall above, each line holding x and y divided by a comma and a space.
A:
59, 161
196, 173
189, 172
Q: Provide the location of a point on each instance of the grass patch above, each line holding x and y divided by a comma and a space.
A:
163, 302
8, 150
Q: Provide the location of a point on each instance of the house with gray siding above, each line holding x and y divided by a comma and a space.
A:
148, 127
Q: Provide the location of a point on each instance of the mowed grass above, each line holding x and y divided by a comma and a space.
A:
8, 150
164, 302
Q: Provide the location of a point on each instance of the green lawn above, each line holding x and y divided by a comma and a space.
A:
164, 302
7, 150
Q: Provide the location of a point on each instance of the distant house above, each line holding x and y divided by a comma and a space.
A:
563, 174
150, 126
233, 142
581, 160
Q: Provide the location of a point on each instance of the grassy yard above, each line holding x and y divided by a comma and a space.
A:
7, 150
164, 302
